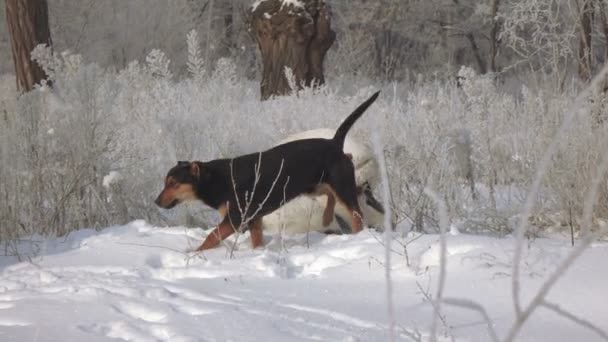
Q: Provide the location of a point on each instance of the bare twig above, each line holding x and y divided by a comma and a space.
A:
543, 165
587, 239
546, 286
383, 244
388, 231
249, 198
435, 304
468, 304
580, 321
443, 225
153, 246
261, 205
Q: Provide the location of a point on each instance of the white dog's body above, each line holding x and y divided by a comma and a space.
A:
304, 214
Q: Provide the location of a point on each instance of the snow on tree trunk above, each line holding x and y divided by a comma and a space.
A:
28, 25
294, 34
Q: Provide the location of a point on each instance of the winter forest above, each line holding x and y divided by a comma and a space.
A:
481, 169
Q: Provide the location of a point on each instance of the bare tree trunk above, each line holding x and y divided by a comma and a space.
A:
494, 35
28, 25
291, 36
604, 18
228, 27
480, 62
584, 52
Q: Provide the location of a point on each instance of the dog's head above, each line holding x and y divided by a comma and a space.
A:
180, 184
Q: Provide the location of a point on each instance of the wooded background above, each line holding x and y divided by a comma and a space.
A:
474, 94
539, 40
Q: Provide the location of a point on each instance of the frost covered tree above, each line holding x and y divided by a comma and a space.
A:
556, 39
28, 25
294, 34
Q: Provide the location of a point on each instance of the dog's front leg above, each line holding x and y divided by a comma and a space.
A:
220, 233
255, 229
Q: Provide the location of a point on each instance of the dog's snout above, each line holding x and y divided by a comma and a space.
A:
157, 201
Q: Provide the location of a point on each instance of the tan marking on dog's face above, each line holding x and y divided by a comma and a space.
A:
175, 193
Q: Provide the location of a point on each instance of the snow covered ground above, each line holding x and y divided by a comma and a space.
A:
134, 283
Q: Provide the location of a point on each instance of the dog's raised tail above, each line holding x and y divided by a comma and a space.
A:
350, 120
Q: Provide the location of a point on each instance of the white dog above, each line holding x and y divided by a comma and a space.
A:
304, 214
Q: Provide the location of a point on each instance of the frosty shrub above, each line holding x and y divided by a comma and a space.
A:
93, 150
543, 35
478, 146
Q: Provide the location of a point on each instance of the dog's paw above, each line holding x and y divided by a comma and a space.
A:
193, 250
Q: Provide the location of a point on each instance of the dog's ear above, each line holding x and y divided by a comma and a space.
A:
195, 170
182, 163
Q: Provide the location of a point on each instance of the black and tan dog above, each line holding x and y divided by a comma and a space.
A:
245, 188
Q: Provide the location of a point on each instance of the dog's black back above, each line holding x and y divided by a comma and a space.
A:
264, 181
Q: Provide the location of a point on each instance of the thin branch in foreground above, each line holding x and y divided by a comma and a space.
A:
187, 255
443, 224
436, 313
586, 241
381, 242
151, 246
468, 304
580, 321
546, 286
249, 198
541, 169
388, 230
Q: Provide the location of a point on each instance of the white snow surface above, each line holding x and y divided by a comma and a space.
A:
136, 283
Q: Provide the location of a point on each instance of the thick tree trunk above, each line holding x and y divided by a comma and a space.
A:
28, 25
295, 35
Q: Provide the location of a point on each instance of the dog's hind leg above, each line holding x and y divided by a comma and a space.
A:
328, 213
255, 230
342, 181
220, 233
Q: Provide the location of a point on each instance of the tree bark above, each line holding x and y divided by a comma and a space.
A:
584, 52
604, 18
480, 62
296, 35
228, 27
28, 25
494, 44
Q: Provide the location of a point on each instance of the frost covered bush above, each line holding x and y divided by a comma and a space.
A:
479, 146
93, 150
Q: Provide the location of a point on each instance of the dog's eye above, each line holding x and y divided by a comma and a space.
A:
171, 184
